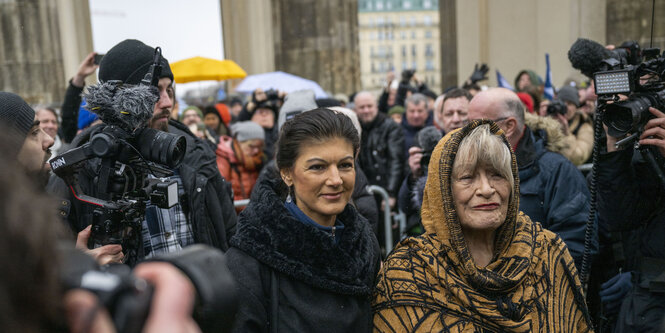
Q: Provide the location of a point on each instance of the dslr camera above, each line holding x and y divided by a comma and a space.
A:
407, 75
128, 298
557, 106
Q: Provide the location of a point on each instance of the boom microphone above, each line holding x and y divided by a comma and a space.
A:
127, 106
588, 56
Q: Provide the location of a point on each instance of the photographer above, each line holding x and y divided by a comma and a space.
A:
35, 297
204, 212
576, 125
631, 208
263, 109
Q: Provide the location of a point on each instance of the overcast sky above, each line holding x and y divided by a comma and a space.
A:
183, 29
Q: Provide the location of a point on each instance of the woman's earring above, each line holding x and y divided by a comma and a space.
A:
288, 198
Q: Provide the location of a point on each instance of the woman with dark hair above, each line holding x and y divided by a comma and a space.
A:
482, 265
304, 259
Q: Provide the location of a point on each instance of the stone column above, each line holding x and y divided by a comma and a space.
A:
631, 20
247, 28
318, 40
75, 36
30, 52
448, 28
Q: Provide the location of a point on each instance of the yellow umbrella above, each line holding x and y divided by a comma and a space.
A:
202, 69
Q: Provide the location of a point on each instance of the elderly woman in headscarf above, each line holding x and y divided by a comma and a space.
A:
481, 266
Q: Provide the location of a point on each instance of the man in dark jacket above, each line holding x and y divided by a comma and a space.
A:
382, 146
631, 209
552, 190
205, 212
416, 118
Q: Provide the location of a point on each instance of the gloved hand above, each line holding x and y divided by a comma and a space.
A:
479, 74
613, 291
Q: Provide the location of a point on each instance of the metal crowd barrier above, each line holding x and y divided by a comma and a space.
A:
241, 203
585, 167
387, 223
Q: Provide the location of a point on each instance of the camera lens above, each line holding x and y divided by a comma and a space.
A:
625, 117
161, 147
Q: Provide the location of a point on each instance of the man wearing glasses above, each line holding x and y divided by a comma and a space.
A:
552, 190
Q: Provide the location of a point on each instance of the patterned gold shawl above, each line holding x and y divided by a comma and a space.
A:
431, 283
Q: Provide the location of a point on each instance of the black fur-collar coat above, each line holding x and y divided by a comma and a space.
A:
322, 286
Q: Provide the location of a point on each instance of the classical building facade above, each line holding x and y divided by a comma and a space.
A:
395, 35
344, 45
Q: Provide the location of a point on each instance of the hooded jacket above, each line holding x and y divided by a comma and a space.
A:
431, 283
552, 190
579, 140
319, 285
533, 77
242, 174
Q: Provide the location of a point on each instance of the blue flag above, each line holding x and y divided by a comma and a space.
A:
549, 89
503, 83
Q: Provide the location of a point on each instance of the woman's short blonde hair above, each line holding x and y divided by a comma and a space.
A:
481, 147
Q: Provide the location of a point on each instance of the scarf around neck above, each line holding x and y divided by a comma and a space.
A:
531, 283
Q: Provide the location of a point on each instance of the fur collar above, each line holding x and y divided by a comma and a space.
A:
269, 233
548, 129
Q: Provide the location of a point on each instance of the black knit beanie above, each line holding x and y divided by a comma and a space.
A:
129, 61
16, 116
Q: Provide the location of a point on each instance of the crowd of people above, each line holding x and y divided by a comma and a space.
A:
489, 179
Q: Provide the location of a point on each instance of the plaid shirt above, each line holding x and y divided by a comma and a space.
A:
166, 230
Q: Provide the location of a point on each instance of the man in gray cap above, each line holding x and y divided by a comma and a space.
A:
204, 213
30, 141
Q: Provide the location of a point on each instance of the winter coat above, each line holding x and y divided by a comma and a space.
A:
631, 223
319, 285
579, 140
552, 190
241, 174
432, 283
382, 153
207, 202
630, 198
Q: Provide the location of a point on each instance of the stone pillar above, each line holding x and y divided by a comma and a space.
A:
631, 20
448, 28
318, 40
247, 28
75, 36
30, 52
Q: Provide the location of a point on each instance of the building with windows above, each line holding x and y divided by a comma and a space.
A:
395, 35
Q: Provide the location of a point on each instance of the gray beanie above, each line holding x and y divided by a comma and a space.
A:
294, 103
247, 130
569, 94
16, 116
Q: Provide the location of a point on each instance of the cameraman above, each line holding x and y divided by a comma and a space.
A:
631, 208
576, 125
31, 298
204, 212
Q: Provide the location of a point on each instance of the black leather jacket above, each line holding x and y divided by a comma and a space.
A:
382, 153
